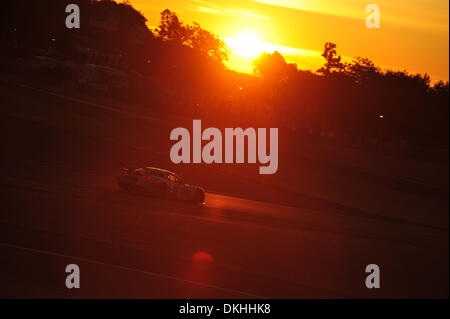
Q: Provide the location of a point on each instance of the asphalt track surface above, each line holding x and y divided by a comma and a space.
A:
132, 245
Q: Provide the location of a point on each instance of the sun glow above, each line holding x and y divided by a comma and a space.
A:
247, 45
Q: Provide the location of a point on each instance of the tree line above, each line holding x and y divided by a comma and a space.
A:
182, 68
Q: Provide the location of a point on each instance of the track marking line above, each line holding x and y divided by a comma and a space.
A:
81, 101
147, 273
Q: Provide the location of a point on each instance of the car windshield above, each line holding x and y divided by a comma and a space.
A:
155, 172
159, 173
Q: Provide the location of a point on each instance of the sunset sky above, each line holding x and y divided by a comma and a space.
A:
413, 35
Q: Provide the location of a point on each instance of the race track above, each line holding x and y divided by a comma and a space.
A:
56, 213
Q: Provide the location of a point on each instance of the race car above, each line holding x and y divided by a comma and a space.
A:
159, 182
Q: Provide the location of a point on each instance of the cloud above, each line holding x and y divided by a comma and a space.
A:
247, 14
210, 10
427, 14
206, 7
343, 8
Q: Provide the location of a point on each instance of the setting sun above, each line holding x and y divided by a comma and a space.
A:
302, 28
247, 45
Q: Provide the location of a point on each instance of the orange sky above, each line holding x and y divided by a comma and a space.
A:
413, 36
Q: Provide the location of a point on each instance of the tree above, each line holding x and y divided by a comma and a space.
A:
172, 29
206, 42
333, 63
273, 66
362, 69
275, 71
417, 83
441, 88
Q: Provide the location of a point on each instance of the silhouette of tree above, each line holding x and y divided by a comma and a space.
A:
333, 63
273, 67
172, 29
362, 70
206, 42
441, 88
